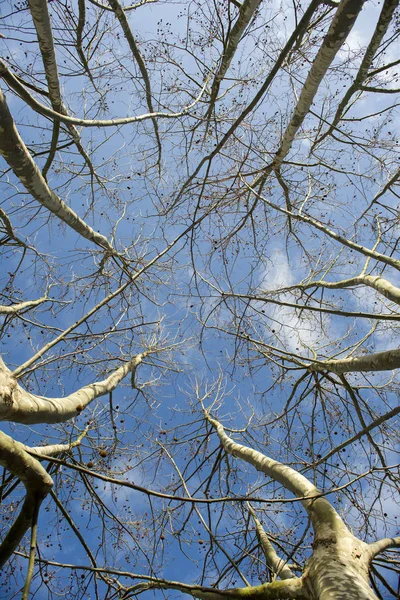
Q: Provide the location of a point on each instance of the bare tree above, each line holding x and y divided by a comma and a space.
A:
200, 299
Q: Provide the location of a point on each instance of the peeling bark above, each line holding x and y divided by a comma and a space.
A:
339, 566
339, 571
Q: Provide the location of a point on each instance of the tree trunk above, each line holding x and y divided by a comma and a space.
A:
338, 570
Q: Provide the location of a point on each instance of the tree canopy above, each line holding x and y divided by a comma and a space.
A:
199, 231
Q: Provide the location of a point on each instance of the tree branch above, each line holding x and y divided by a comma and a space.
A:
21, 406
323, 516
20, 306
44, 110
382, 545
121, 16
14, 151
340, 27
278, 566
37, 482
246, 13
379, 361
332, 234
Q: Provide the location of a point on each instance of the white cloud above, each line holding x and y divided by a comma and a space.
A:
296, 331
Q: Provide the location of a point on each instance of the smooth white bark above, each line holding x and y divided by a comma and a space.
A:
277, 565
20, 306
379, 361
323, 516
382, 545
37, 482
246, 13
20, 406
377, 282
340, 562
16, 154
381, 28
339, 29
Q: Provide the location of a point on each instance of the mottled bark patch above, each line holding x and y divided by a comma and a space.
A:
8, 388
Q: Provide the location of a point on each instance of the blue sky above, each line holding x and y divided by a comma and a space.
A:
174, 303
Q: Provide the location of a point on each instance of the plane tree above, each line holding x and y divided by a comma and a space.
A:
199, 303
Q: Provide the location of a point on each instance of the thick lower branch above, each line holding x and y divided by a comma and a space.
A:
378, 283
16, 154
20, 306
37, 482
325, 520
20, 406
339, 29
285, 590
379, 361
277, 565
382, 545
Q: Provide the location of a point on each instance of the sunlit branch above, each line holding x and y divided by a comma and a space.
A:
381, 28
21, 306
56, 449
246, 13
378, 361
313, 308
342, 23
377, 282
21, 406
37, 483
32, 552
79, 40
339, 238
382, 545
15, 152
277, 565
10, 232
298, 32
13, 82
120, 14
41, 19
319, 510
